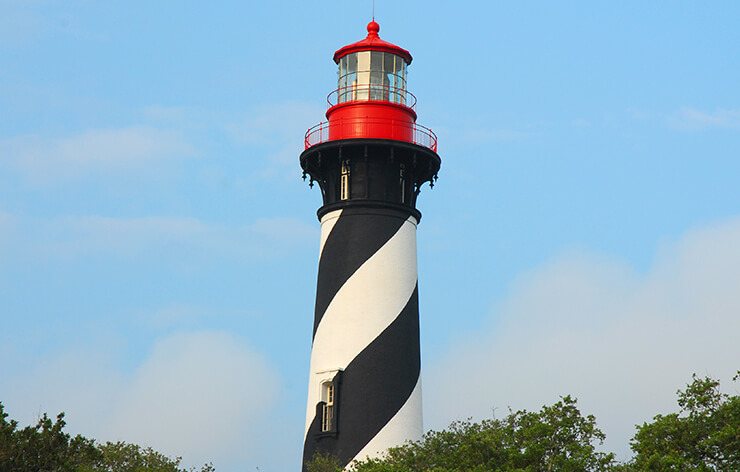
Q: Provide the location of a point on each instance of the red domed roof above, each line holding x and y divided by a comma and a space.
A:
373, 43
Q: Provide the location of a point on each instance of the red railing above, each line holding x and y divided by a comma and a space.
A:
317, 134
371, 92
421, 135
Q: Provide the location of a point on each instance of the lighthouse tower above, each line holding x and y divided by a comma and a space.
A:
370, 160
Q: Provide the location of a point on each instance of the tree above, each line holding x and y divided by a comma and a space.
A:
126, 457
704, 436
556, 438
324, 462
45, 447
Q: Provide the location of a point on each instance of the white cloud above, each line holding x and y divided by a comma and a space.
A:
28, 20
277, 122
198, 393
78, 382
688, 118
278, 130
201, 395
93, 152
179, 314
75, 236
620, 341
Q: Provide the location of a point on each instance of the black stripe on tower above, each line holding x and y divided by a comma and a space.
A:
356, 236
374, 387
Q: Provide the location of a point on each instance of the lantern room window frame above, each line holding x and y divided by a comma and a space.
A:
372, 75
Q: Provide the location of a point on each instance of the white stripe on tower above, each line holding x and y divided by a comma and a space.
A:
370, 321
406, 425
327, 224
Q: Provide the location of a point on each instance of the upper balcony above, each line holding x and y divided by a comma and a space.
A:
363, 128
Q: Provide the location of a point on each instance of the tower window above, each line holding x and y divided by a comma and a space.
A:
344, 182
327, 412
402, 181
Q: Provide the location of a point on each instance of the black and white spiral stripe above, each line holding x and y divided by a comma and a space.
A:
366, 327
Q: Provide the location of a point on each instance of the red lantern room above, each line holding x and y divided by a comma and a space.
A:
371, 99
371, 152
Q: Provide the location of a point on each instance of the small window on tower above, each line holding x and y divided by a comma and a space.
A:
344, 182
402, 181
327, 413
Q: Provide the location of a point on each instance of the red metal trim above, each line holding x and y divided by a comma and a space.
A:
373, 43
422, 135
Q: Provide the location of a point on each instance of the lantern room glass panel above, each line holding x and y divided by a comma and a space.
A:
342, 78
362, 91
372, 75
389, 67
347, 85
379, 82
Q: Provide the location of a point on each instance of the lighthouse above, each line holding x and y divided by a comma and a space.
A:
370, 160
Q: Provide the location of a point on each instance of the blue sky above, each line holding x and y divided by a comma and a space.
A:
158, 249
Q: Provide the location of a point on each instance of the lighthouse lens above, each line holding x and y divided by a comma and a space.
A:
372, 75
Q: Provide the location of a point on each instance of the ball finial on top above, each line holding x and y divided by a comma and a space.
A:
373, 27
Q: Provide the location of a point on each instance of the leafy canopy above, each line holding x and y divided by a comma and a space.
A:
556, 438
45, 447
703, 437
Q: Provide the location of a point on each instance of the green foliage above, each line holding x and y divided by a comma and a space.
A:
704, 436
45, 447
124, 457
324, 463
556, 438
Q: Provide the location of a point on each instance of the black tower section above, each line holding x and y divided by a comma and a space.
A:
381, 173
